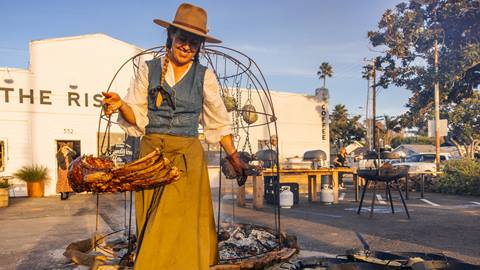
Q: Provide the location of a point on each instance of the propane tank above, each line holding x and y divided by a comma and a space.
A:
286, 197
326, 194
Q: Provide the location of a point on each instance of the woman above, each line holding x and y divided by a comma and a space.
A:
64, 157
175, 224
339, 162
341, 158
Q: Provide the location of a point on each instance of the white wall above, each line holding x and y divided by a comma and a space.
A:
31, 130
299, 124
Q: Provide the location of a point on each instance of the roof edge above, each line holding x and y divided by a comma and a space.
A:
37, 41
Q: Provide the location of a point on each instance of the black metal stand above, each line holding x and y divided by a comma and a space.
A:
422, 193
363, 195
389, 196
373, 198
401, 197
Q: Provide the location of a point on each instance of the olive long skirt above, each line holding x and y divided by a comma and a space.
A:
175, 223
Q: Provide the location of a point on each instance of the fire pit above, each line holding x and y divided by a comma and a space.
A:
251, 246
241, 246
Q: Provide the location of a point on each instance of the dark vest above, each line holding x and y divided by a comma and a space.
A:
187, 96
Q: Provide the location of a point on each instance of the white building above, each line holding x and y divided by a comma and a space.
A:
57, 99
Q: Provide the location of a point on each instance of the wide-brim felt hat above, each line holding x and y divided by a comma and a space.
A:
192, 19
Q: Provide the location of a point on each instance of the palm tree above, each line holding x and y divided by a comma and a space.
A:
325, 70
392, 126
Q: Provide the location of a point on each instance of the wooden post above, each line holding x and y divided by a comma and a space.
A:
335, 185
312, 188
240, 195
258, 192
356, 185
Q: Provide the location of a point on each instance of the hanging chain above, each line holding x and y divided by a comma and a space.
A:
249, 89
249, 101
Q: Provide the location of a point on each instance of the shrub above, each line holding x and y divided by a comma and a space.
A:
396, 141
32, 173
4, 182
460, 176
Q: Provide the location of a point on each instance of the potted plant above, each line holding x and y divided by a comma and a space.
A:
4, 191
34, 175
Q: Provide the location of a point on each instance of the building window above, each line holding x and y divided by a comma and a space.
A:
2, 156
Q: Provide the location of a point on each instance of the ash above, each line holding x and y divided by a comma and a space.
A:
238, 241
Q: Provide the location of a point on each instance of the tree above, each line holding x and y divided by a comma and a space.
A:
324, 71
464, 125
344, 129
397, 141
391, 128
408, 33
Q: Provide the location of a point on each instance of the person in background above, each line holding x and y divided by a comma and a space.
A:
273, 141
339, 162
64, 156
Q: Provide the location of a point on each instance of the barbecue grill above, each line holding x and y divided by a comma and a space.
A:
268, 157
318, 158
388, 174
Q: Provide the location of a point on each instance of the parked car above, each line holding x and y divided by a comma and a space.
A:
423, 162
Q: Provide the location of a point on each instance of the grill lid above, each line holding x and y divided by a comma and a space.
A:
315, 155
266, 155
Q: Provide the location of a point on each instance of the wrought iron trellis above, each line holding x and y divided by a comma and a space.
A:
238, 76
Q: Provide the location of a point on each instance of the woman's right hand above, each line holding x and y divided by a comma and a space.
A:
111, 102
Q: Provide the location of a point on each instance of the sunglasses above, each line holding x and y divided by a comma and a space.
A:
193, 42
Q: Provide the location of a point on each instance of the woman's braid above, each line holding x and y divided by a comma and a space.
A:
166, 61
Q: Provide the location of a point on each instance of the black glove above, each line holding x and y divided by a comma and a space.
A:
235, 166
239, 165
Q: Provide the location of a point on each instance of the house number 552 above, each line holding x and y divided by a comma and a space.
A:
68, 131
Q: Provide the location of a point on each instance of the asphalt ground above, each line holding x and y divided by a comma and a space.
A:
439, 224
35, 232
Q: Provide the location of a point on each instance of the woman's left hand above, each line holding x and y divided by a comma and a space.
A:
238, 164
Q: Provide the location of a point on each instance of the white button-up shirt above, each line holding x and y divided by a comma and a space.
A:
214, 118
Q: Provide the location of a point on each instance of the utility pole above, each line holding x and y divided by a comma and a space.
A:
437, 106
367, 115
374, 105
437, 88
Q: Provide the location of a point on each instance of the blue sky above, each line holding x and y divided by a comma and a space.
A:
288, 39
